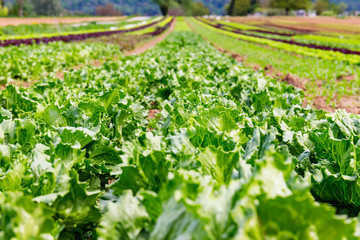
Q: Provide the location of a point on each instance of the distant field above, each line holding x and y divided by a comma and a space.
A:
19, 21
321, 54
328, 24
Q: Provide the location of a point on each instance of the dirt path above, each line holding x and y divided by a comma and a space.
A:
152, 43
19, 21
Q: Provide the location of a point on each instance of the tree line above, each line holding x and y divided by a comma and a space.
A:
32, 8
182, 7
54, 8
244, 7
167, 7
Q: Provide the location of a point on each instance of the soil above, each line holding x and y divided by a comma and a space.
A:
60, 75
269, 70
153, 113
223, 50
350, 104
237, 57
48, 20
319, 102
125, 42
295, 81
111, 181
18, 83
152, 43
347, 78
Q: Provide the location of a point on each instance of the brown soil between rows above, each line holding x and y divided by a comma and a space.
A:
53, 20
153, 112
18, 83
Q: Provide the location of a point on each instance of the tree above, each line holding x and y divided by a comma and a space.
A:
321, 6
164, 6
230, 11
3, 10
341, 7
107, 10
47, 7
199, 9
27, 9
178, 6
187, 6
242, 7
264, 3
289, 5
20, 4
253, 5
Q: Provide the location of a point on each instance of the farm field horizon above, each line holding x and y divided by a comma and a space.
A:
180, 128
14, 21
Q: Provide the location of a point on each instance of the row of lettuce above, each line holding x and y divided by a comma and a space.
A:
32, 30
180, 142
350, 42
32, 62
32, 27
80, 35
326, 47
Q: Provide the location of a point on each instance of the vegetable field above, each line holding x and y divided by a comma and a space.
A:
322, 60
180, 142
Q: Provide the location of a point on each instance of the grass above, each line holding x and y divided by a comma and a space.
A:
181, 25
151, 29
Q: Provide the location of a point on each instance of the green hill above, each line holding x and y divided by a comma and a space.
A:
129, 7
147, 7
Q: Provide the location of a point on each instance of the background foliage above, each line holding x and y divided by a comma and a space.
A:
150, 7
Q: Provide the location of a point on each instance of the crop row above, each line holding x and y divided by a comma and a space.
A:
155, 30
291, 42
317, 40
334, 42
23, 30
179, 142
329, 55
72, 37
322, 75
250, 28
114, 26
30, 62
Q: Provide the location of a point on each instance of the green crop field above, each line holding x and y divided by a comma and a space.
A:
182, 141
